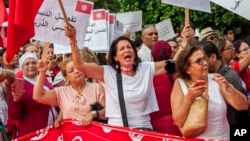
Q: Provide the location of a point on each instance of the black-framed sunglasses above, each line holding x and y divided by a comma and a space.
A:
244, 49
200, 61
230, 47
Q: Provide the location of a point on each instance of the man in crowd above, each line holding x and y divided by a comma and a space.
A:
149, 37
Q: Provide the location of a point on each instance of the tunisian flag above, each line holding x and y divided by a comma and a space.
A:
20, 24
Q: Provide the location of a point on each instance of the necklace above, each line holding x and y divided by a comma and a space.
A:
126, 69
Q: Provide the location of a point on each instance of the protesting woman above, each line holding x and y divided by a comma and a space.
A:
137, 81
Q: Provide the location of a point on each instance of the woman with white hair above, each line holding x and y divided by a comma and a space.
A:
30, 114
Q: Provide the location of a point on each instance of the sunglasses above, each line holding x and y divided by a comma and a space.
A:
230, 47
200, 61
245, 49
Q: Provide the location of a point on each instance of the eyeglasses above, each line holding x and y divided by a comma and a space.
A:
245, 49
200, 61
211, 38
33, 63
230, 47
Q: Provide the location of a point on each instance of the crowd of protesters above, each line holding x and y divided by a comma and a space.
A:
158, 77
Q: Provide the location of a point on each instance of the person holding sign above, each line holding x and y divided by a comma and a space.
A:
137, 80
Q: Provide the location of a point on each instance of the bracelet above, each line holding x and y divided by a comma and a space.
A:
230, 89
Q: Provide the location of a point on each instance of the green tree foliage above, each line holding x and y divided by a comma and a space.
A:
154, 11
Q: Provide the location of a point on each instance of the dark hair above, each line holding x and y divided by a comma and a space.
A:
237, 44
171, 40
225, 32
209, 48
113, 50
2, 50
220, 43
138, 42
182, 62
247, 38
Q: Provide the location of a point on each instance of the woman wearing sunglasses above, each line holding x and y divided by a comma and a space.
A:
193, 81
241, 66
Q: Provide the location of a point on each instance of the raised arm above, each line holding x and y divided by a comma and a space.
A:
232, 96
39, 95
91, 70
244, 62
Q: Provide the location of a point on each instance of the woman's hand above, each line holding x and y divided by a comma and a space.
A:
221, 80
52, 64
70, 32
87, 119
187, 34
41, 66
197, 89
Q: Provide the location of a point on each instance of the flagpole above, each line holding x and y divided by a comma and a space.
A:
65, 18
63, 12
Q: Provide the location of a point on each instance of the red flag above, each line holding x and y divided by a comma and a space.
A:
99, 15
20, 24
84, 7
3, 12
111, 19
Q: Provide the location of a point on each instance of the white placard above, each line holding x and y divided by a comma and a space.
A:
60, 49
49, 22
165, 30
240, 7
200, 5
96, 37
118, 30
130, 20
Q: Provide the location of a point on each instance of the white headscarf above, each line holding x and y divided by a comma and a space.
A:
26, 56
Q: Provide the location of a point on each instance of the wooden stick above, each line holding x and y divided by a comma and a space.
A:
186, 16
45, 51
63, 12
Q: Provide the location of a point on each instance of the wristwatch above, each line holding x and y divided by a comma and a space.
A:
230, 89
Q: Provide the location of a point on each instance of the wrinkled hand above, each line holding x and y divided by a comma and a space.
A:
87, 119
41, 66
196, 91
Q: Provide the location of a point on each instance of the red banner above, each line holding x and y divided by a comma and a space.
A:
72, 130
